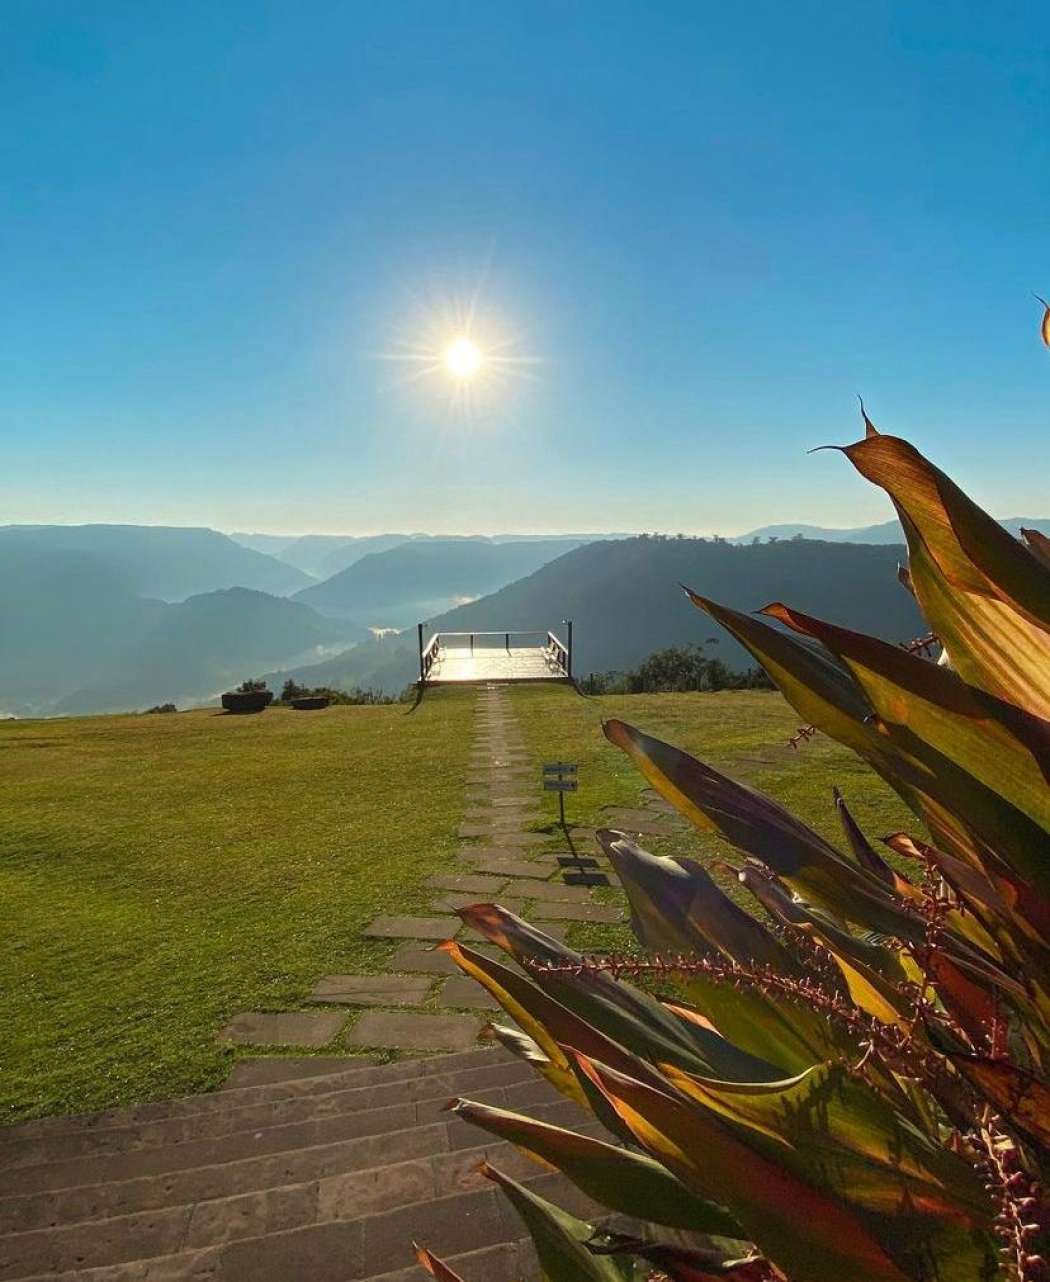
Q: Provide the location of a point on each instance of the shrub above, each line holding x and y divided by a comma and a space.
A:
292, 690
854, 1086
676, 669
163, 707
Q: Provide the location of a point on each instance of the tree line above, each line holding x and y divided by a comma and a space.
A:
676, 669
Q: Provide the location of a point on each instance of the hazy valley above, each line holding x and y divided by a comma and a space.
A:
105, 618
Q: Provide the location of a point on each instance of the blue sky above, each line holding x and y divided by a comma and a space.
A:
696, 232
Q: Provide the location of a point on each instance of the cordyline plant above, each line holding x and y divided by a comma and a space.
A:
853, 1087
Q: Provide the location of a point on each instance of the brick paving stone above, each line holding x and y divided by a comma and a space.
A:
500, 800
412, 928
371, 990
551, 890
489, 811
405, 1030
464, 992
498, 836
413, 957
576, 912
506, 863
638, 821
287, 1028
499, 778
468, 883
503, 820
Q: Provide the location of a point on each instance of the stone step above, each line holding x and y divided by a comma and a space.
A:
230, 1097
351, 1250
196, 1226
508, 1262
209, 1150
61, 1208
265, 1070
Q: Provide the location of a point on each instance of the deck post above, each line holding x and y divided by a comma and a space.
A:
422, 673
568, 647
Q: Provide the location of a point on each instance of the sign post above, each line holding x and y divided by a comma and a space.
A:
561, 777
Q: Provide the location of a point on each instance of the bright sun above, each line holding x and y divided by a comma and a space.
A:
463, 359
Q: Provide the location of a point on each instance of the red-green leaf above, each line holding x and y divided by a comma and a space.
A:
762, 828
621, 1180
559, 1237
435, 1267
631, 1018
984, 593
770, 1201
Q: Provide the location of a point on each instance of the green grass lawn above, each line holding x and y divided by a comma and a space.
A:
743, 733
161, 873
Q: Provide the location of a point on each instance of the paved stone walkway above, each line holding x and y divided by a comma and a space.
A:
424, 1003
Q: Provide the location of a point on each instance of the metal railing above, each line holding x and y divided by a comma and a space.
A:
557, 653
448, 637
428, 656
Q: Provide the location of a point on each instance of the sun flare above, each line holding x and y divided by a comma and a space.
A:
463, 359
458, 349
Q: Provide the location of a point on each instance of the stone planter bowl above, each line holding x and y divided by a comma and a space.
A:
246, 700
310, 701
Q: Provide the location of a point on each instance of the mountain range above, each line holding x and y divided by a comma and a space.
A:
167, 562
423, 577
885, 532
106, 618
76, 638
625, 601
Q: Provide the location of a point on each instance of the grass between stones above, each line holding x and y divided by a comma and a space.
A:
161, 873
743, 733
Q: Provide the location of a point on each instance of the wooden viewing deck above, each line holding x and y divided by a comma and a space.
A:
461, 658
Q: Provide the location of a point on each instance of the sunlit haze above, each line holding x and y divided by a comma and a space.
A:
535, 268
463, 359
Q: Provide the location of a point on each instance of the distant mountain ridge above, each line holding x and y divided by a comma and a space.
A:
323, 555
625, 602
426, 576
885, 532
76, 635
168, 562
193, 650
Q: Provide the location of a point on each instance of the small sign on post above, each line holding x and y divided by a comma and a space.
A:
561, 777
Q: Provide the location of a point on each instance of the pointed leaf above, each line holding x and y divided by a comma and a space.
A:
435, 1267
680, 1264
932, 702
558, 1236
628, 1016
527, 1006
984, 593
1038, 544
935, 790
623, 1181
840, 1134
676, 906
770, 1201
762, 828
863, 851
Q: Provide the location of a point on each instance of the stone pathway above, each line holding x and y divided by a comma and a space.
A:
425, 1003
328, 1168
